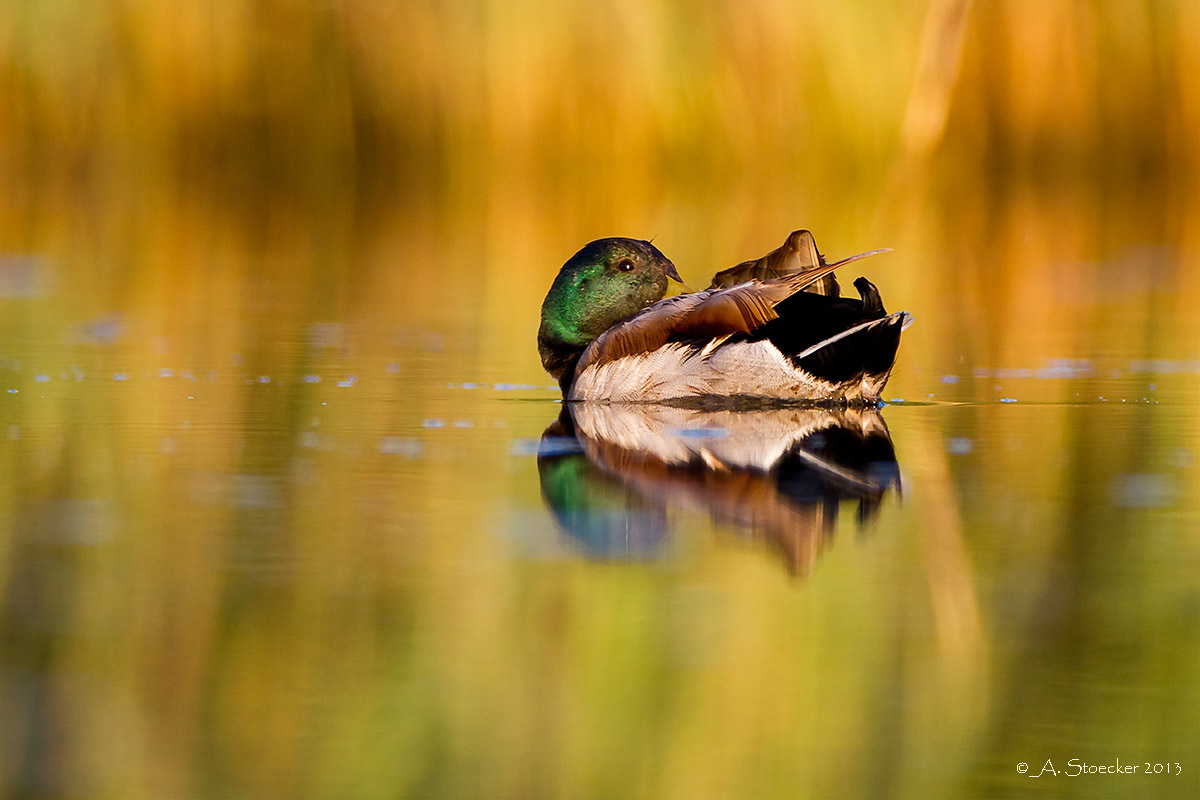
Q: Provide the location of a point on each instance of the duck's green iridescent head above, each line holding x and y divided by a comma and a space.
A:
604, 283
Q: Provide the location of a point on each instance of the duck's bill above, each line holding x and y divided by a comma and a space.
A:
860, 256
674, 275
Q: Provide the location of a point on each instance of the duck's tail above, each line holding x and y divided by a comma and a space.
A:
867, 350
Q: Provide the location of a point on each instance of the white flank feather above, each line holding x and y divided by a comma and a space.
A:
742, 369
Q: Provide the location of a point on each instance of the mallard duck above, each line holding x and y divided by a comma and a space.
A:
772, 329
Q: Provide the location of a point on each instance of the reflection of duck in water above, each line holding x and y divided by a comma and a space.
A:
610, 471
775, 328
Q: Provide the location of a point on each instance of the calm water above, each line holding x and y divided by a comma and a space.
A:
290, 509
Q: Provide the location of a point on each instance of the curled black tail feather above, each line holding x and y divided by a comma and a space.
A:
871, 301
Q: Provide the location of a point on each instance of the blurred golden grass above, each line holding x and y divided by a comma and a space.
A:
491, 139
647, 92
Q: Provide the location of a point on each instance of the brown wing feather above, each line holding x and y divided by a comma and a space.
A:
797, 254
644, 332
738, 310
703, 315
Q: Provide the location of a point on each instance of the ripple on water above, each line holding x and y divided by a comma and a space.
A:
1145, 490
700, 433
959, 445
400, 446
516, 387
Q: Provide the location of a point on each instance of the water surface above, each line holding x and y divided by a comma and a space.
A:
263, 545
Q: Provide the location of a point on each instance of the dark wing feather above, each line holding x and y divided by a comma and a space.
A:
796, 255
704, 315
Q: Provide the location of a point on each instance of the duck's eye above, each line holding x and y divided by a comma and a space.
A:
625, 265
